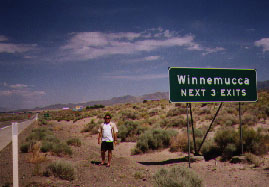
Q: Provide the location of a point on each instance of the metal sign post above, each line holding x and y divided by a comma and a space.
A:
196, 153
15, 154
189, 145
241, 133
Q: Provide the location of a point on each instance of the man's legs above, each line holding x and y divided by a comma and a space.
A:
103, 155
109, 157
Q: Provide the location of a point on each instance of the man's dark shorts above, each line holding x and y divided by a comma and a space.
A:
107, 146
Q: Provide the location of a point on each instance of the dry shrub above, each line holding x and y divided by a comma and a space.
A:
249, 119
177, 177
253, 159
129, 115
61, 149
153, 140
179, 142
74, 141
57, 128
227, 140
91, 127
176, 112
178, 122
37, 157
130, 130
61, 169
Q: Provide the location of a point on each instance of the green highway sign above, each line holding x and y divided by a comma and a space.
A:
46, 115
212, 85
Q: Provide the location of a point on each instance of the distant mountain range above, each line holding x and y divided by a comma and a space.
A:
124, 99
114, 100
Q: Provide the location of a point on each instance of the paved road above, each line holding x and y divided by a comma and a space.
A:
6, 132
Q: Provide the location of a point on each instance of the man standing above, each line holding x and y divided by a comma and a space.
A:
108, 134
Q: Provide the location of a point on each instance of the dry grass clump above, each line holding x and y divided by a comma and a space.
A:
129, 114
179, 142
175, 122
176, 112
227, 120
37, 156
249, 119
130, 130
228, 143
178, 177
253, 159
74, 142
152, 140
48, 142
61, 149
61, 169
91, 127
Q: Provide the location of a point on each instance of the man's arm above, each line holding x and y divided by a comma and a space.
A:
115, 131
99, 134
115, 137
99, 137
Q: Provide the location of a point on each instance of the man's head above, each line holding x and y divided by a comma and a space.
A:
107, 118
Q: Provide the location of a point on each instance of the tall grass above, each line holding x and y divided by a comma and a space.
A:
177, 177
61, 169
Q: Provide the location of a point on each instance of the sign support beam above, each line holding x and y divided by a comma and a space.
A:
210, 126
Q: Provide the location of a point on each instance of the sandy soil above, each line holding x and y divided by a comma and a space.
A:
126, 170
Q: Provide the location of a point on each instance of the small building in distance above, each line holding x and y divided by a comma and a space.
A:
65, 108
78, 108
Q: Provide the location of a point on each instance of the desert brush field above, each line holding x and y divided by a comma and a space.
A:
61, 149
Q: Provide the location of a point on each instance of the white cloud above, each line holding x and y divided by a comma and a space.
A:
212, 50
151, 58
144, 59
128, 35
23, 93
21, 98
20, 90
264, 43
137, 77
14, 48
18, 86
91, 45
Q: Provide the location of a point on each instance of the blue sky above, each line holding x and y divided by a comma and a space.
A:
69, 51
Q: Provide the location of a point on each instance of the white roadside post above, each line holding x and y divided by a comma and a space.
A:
15, 154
